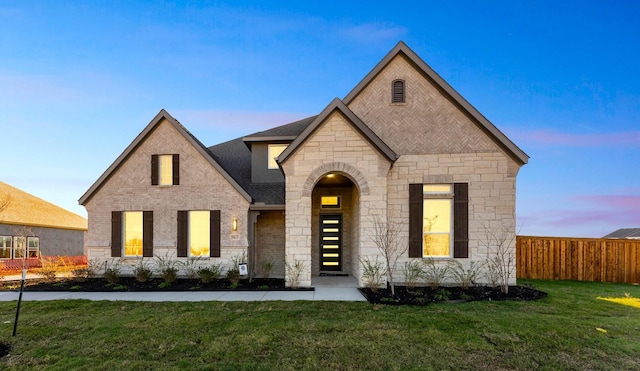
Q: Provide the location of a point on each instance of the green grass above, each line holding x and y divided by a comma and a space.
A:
563, 331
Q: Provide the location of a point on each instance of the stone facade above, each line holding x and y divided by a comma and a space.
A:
201, 188
337, 147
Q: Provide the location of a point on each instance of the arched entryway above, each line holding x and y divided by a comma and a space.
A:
334, 224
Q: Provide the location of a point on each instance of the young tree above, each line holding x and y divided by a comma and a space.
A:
386, 236
501, 253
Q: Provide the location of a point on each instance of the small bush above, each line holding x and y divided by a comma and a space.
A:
372, 273
267, 266
142, 271
413, 272
210, 273
191, 267
49, 268
112, 271
168, 267
233, 275
435, 274
294, 273
465, 277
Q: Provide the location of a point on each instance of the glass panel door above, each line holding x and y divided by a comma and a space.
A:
331, 242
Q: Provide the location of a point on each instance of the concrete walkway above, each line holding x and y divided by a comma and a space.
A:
326, 288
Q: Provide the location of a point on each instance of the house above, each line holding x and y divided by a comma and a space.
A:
403, 147
626, 233
31, 227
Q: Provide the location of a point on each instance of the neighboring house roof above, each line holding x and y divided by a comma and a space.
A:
493, 132
625, 233
25, 209
287, 132
142, 136
338, 105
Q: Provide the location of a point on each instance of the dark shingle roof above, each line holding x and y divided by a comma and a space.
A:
624, 233
235, 158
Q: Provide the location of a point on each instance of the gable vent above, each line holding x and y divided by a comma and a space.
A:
397, 91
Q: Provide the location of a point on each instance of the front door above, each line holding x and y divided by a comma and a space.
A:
330, 242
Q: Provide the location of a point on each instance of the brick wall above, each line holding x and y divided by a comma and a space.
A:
201, 188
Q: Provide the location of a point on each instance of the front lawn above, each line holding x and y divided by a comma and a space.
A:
571, 329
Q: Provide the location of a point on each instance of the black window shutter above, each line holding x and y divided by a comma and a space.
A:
176, 169
214, 230
460, 220
116, 234
147, 233
397, 91
154, 170
182, 234
415, 220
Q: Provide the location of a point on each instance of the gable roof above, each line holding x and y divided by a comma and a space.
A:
402, 49
625, 233
142, 136
338, 105
29, 210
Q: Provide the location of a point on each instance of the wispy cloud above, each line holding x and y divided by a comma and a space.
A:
585, 216
375, 32
556, 138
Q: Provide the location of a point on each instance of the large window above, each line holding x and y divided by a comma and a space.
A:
5, 247
131, 233
199, 233
165, 169
19, 247
274, 151
437, 220
132, 227
33, 247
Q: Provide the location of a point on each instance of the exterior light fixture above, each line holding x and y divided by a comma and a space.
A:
234, 224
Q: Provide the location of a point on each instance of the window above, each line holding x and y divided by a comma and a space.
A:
397, 91
274, 150
165, 169
437, 213
198, 233
132, 233
19, 247
438, 220
330, 202
33, 247
5, 247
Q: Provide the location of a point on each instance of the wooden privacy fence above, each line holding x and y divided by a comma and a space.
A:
583, 259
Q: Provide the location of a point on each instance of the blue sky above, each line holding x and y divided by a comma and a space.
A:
79, 80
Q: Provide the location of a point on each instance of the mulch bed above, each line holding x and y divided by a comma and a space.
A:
154, 284
425, 295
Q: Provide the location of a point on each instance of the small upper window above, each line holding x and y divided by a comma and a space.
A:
397, 91
330, 202
165, 169
274, 151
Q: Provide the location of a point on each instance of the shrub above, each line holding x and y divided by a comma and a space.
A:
233, 275
294, 273
142, 271
372, 273
168, 267
49, 268
210, 273
267, 266
112, 271
465, 277
435, 274
191, 267
413, 272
